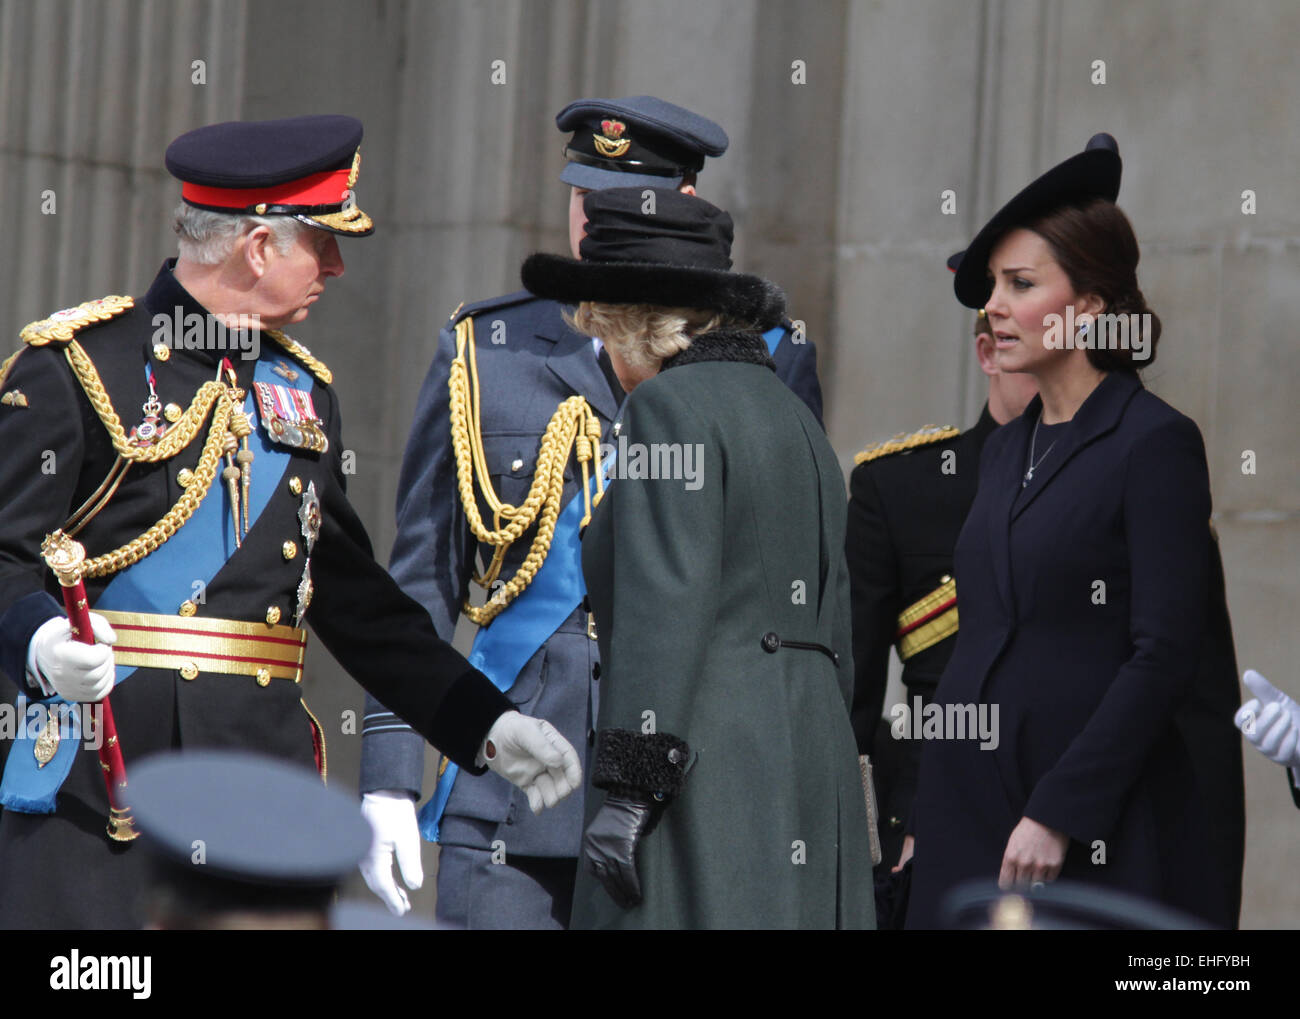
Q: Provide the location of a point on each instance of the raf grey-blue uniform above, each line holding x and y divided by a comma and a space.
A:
529, 360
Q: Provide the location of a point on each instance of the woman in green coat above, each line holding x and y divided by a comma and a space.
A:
730, 793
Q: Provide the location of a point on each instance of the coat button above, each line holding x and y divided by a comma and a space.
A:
272, 615
172, 412
295, 485
185, 477
289, 550
189, 671
188, 608
517, 465
771, 643
263, 677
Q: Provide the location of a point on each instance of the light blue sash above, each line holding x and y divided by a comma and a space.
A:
773, 338
503, 648
158, 584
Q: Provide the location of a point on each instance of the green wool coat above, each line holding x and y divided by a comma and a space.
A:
686, 576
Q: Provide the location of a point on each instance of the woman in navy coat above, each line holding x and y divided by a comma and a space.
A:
1083, 575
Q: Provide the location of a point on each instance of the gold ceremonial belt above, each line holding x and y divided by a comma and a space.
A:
192, 645
928, 621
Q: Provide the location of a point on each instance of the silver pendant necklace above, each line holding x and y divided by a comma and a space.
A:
1033, 466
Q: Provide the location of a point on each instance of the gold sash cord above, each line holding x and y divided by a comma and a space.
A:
574, 424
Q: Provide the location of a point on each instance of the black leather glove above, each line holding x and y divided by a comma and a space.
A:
609, 845
641, 774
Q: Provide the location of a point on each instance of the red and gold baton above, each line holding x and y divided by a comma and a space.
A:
65, 557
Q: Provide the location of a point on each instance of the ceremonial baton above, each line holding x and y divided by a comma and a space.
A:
65, 557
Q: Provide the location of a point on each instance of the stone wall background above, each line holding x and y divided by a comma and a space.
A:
835, 185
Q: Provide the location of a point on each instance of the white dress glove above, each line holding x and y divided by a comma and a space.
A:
75, 671
1270, 721
391, 813
531, 754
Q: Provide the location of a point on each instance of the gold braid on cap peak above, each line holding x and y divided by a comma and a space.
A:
926, 436
574, 424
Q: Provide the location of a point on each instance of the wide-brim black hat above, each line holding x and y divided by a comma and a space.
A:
1093, 173
676, 256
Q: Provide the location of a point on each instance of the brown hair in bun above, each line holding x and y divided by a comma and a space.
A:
1095, 245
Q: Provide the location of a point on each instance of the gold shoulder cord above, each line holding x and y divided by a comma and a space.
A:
926, 436
574, 423
8, 364
178, 437
224, 403
305, 356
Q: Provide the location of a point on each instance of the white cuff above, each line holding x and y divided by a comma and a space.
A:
35, 680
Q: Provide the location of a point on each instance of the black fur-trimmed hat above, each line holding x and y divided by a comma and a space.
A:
1092, 173
655, 246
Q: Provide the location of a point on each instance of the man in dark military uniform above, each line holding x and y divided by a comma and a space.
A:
195, 450
908, 499
518, 369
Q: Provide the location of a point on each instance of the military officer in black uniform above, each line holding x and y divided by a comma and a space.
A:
516, 366
195, 450
908, 498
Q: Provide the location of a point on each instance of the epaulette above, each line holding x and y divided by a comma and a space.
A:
302, 355
491, 304
63, 325
926, 436
5, 366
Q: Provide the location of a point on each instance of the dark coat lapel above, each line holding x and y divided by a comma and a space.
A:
1099, 414
1004, 476
573, 360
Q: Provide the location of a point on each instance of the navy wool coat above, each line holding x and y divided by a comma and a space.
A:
1083, 602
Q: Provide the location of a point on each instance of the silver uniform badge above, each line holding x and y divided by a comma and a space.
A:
309, 516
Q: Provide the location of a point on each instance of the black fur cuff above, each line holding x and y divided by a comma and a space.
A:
633, 763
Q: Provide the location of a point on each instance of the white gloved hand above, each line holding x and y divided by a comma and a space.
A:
1270, 721
391, 813
531, 754
75, 671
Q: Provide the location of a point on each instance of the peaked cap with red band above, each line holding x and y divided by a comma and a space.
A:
304, 167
